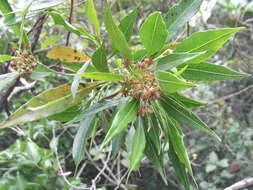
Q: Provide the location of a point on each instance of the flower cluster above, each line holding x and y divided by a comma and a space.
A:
144, 87
23, 62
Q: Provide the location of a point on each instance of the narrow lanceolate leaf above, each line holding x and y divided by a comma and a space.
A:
170, 83
153, 33
181, 114
59, 19
80, 140
154, 131
187, 102
209, 41
138, 146
156, 157
49, 102
179, 167
67, 54
116, 35
175, 59
176, 138
126, 114
4, 58
92, 15
127, 24
102, 76
210, 72
180, 14
99, 59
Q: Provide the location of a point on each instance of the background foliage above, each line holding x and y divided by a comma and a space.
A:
28, 158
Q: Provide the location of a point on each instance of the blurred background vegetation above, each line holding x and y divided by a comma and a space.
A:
27, 159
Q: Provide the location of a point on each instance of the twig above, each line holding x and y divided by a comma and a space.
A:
241, 184
231, 95
70, 20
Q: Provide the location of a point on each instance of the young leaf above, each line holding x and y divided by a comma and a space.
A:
170, 83
138, 146
102, 76
179, 167
58, 19
126, 114
127, 24
187, 102
99, 59
92, 15
49, 102
183, 115
116, 36
209, 41
175, 59
4, 58
80, 140
67, 54
179, 15
153, 33
209, 72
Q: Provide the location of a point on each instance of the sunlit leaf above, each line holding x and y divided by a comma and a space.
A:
170, 83
116, 36
99, 59
50, 41
92, 15
4, 58
210, 72
209, 41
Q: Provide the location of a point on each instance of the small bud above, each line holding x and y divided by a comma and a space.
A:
141, 65
149, 61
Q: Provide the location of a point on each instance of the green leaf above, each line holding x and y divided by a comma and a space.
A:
209, 72
99, 59
170, 83
92, 15
181, 114
179, 168
117, 143
154, 131
80, 140
116, 36
58, 19
102, 76
179, 15
153, 33
50, 41
209, 41
127, 24
4, 58
126, 114
176, 138
138, 146
49, 102
187, 102
175, 59
156, 157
